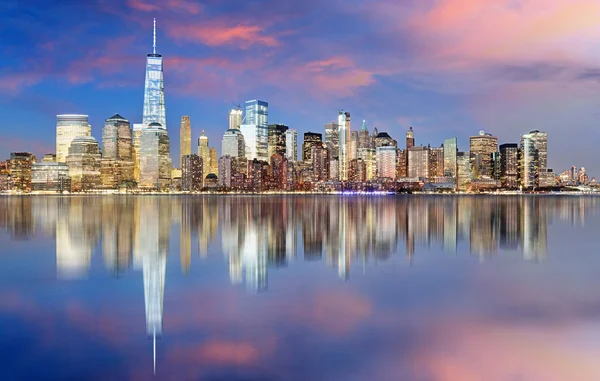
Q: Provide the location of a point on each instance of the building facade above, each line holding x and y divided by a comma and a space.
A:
117, 139
418, 162
20, 168
291, 145
509, 165
386, 162
185, 138
481, 148
69, 127
50, 177
191, 173
155, 159
84, 164
277, 136
311, 139
450, 149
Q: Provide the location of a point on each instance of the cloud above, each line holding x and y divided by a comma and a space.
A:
165, 5
217, 33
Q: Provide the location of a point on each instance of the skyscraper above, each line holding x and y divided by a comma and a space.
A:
386, 162
450, 149
256, 130
509, 165
204, 153
69, 127
464, 175
481, 148
154, 91
410, 138
534, 157
117, 139
191, 173
84, 163
235, 118
233, 143
137, 137
291, 145
310, 140
214, 163
436, 162
155, 160
185, 139
277, 139
418, 162
352, 153
332, 139
363, 136
344, 143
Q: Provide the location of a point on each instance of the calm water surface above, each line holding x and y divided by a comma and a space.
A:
300, 288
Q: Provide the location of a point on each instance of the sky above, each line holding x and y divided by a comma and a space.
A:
445, 67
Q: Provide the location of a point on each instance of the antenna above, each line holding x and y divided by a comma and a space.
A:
154, 38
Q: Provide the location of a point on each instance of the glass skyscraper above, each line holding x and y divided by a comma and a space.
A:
450, 149
256, 130
154, 90
155, 161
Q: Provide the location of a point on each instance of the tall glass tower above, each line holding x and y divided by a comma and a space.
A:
154, 89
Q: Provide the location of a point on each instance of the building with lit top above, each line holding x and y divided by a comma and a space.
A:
154, 89
117, 138
481, 149
69, 127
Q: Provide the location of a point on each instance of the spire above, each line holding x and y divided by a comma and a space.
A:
364, 126
154, 38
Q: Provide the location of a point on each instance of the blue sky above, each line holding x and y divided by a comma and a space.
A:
446, 67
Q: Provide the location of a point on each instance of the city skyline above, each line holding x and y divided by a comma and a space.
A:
541, 91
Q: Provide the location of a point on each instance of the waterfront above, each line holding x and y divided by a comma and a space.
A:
300, 287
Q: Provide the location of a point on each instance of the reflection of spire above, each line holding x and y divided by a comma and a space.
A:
154, 263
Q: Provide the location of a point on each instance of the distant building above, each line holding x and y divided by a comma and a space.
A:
384, 139
332, 138
320, 162
233, 143
185, 138
214, 163
211, 181
69, 127
50, 177
450, 149
410, 138
191, 173
364, 139
277, 139
464, 174
481, 148
344, 144
49, 158
117, 138
533, 157
357, 171
113, 173
155, 159
235, 119
291, 145
225, 171
436, 162
418, 162
84, 164
547, 179
256, 130
386, 162
310, 140
20, 167
204, 153
509, 165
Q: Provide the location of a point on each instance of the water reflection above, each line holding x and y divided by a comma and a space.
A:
258, 233
340, 303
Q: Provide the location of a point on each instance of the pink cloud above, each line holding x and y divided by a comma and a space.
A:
173, 5
217, 33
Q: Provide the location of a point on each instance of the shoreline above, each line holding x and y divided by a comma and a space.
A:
339, 194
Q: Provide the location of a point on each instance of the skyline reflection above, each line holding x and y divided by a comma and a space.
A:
300, 287
260, 234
